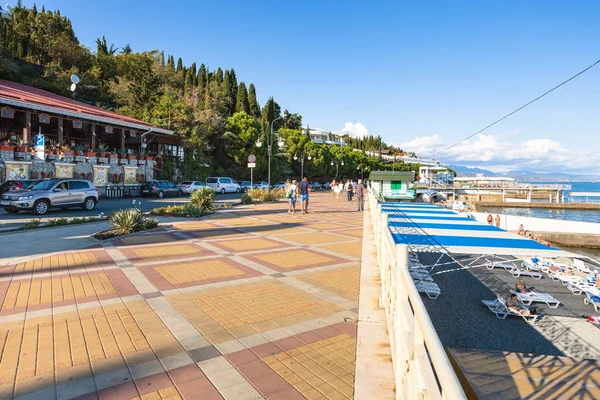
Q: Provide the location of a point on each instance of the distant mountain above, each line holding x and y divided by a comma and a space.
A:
526, 176
471, 171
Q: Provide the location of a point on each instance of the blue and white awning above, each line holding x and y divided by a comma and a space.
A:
425, 227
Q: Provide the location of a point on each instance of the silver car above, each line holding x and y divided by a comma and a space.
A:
51, 193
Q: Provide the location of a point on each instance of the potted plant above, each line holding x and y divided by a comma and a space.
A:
102, 150
113, 154
90, 153
148, 158
131, 156
21, 146
66, 150
122, 153
78, 150
7, 146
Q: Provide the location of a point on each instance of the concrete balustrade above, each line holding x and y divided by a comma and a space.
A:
421, 367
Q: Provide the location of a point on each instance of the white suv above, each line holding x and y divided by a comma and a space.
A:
223, 185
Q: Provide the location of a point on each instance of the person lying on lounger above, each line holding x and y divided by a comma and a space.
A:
514, 304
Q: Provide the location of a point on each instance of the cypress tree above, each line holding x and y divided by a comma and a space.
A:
227, 90
171, 62
201, 80
179, 65
218, 76
189, 81
233, 88
241, 102
254, 106
194, 72
162, 58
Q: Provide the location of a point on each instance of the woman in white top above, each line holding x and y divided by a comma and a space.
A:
337, 189
292, 195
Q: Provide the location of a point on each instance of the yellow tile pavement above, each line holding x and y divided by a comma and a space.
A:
59, 261
294, 258
183, 250
249, 244
147, 239
316, 238
198, 271
46, 291
343, 281
324, 369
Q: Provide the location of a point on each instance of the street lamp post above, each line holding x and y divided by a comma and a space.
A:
308, 156
337, 164
269, 138
362, 172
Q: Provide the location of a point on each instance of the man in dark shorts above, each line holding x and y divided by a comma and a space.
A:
303, 190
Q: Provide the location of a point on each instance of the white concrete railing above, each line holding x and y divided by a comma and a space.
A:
421, 367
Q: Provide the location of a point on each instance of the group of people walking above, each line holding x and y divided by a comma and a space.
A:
295, 191
351, 189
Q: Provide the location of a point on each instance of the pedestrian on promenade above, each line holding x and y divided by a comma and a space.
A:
286, 187
359, 189
292, 192
490, 219
497, 221
337, 190
348, 187
333, 186
303, 188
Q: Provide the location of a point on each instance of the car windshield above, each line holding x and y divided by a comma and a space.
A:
43, 185
186, 183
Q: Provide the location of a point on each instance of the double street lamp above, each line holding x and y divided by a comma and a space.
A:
337, 163
302, 155
269, 140
362, 168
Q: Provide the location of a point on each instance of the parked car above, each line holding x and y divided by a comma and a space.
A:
245, 186
279, 185
160, 189
14, 185
261, 185
221, 184
190, 187
51, 193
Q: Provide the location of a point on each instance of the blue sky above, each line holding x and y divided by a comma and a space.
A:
423, 74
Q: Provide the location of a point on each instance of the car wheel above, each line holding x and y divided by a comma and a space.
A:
161, 194
12, 210
223, 191
41, 207
237, 190
89, 204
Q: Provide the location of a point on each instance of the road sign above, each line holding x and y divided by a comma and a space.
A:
39, 142
251, 165
251, 158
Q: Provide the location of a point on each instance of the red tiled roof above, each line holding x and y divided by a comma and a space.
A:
37, 97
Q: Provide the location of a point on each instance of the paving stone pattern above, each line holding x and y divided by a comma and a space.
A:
247, 303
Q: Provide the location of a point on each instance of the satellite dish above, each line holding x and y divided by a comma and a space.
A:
74, 79
73, 87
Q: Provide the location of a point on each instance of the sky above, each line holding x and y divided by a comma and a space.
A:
422, 74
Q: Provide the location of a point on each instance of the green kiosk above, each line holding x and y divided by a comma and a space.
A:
393, 185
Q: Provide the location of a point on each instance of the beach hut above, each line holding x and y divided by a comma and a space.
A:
393, 185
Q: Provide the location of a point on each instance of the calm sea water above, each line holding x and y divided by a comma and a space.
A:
571, 215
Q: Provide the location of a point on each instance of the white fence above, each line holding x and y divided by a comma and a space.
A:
421, 366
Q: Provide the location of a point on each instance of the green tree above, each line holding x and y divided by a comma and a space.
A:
179, 65
254, 106
292, 121
241, 103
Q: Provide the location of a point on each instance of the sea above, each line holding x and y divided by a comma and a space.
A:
570, 215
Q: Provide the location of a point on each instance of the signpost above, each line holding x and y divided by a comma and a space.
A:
39, 142
251, 165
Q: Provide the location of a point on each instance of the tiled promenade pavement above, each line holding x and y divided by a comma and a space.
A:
248, 303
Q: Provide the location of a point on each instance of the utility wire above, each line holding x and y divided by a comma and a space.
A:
517, 110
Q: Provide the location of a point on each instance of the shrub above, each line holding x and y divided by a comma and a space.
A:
188, 210
204, 198
246, 199
34, 223
127, 221
255, 193
78, 220
150, 223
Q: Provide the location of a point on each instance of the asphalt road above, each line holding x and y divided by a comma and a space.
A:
106, 206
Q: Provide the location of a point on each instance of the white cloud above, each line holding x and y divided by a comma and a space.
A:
503, 153
357, 130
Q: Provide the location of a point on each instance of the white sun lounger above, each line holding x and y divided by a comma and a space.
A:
580, 265
592, 296
518, 272
499, 308
537, 297
431, 289
529, 265
420, 275
507, 266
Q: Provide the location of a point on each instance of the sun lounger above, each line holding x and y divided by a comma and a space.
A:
537, 297
518, 272
507, 266
420, 275
431, 289
529, 265
580, 266
499, 308
592, 296
576, 290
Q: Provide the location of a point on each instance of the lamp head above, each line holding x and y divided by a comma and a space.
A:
332, 163
280, 143
342, 163
309, 157
258, 143
295, 157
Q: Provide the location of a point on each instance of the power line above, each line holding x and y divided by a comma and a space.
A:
518, 109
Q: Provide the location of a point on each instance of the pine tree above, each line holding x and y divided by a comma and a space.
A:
254, 106
241, 102
179, 65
